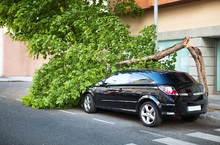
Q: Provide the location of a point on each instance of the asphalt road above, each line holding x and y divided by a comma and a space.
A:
20, 125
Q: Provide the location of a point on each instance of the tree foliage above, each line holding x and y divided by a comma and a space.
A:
83, 40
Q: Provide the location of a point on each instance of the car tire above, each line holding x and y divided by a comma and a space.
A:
190, 118
149, 114
88, 104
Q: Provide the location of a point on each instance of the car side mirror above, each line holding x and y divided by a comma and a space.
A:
101, 83
104, 84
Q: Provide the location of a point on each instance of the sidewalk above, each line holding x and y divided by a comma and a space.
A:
214, 107
16, 79
214, 100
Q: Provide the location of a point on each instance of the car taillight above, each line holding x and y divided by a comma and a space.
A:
168, 90
202, 88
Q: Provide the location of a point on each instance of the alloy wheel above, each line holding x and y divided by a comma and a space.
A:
89, 104
149, 114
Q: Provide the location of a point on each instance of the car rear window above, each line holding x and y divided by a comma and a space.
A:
177, 77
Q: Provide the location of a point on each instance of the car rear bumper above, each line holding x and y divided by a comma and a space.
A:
183, 109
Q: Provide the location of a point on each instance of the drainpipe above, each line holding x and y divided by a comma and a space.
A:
156, 22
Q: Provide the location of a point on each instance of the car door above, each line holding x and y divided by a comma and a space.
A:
140, 84
110, 95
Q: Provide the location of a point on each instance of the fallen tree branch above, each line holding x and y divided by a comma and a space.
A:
157, 56
194, 51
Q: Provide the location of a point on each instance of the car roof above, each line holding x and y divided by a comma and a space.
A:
163, 76
149, 71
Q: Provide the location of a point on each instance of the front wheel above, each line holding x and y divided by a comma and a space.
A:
149, 114
88, 104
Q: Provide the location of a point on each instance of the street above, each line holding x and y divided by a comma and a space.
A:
20, 125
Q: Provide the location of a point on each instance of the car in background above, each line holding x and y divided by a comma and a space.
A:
150, 94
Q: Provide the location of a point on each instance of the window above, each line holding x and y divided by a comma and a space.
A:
140, 78
182, 59
119, 78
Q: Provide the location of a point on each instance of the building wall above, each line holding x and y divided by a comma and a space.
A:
1, 51
203, 13
147, 4
14, 58
198, 20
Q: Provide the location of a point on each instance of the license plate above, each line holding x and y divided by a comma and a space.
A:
194, 108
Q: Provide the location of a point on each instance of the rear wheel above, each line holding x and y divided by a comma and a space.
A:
88, 104
149, 114
190, 118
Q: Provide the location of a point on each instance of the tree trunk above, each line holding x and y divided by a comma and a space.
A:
194, 51
197, 56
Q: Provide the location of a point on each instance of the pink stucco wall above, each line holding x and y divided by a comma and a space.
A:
15, 61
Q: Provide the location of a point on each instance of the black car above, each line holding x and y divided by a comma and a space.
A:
151, 94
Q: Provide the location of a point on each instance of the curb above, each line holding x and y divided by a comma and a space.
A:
16, 79
214, 115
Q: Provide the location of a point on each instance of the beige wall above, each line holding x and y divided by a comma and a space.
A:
203, 13
15, 60
1, 51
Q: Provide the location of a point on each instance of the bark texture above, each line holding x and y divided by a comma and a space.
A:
197, 56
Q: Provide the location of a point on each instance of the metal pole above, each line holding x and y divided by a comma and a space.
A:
156, 21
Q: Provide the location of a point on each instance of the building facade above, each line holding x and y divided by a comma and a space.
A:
14, 60
197, 19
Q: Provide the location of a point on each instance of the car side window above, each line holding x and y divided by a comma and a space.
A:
141, 78
120, 78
